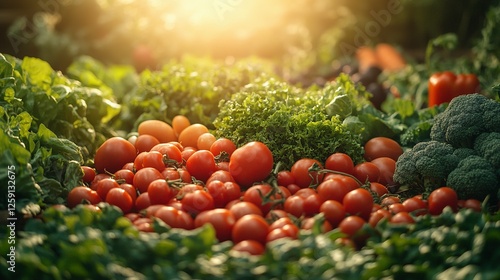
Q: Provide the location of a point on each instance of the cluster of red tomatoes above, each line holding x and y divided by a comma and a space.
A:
185, 177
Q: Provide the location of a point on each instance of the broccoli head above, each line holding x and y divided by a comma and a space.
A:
487, 145
463, 153
475, 178
465, 118
427, 164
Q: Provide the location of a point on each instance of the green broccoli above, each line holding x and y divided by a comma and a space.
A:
463, 153
465, 118
474, 177
487, 145
426, 165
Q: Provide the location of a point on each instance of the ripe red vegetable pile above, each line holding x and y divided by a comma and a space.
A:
185, 177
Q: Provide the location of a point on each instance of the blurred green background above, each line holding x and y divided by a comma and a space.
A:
295, 33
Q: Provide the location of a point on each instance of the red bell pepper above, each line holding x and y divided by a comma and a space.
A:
444, 86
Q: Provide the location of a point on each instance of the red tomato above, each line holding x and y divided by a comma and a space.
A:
201, 165
171, 173
402, 218
223, 192
293, 188
255, 194
154, 159
295, 205
197, 202
382, 147
378, 188
367, 171
251, 247
120, 198
145, 142
396, 208
142, 202
276, 214
220, 175
473, 204
81, 193
386, 166
415, 206
160, 192
333, 211
174, 217
223, 145
388, 200
104, 186
251, 163
351, 225
277, 233
301, 174
171, 151
130, 189
340, 162
124, 176
221, 219
138, 160
308, 224
377, 216
333, 189
144, 177
285, 178
250, 227
440, 198
358, 202
113, 154
88, 174
242, 208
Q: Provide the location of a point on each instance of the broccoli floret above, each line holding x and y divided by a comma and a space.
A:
463, 153
427, 164
474, 177
487, 145
465, 118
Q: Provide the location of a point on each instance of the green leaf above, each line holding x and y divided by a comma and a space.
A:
38, 72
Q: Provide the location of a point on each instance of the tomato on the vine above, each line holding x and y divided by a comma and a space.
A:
255, 195
300, 172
